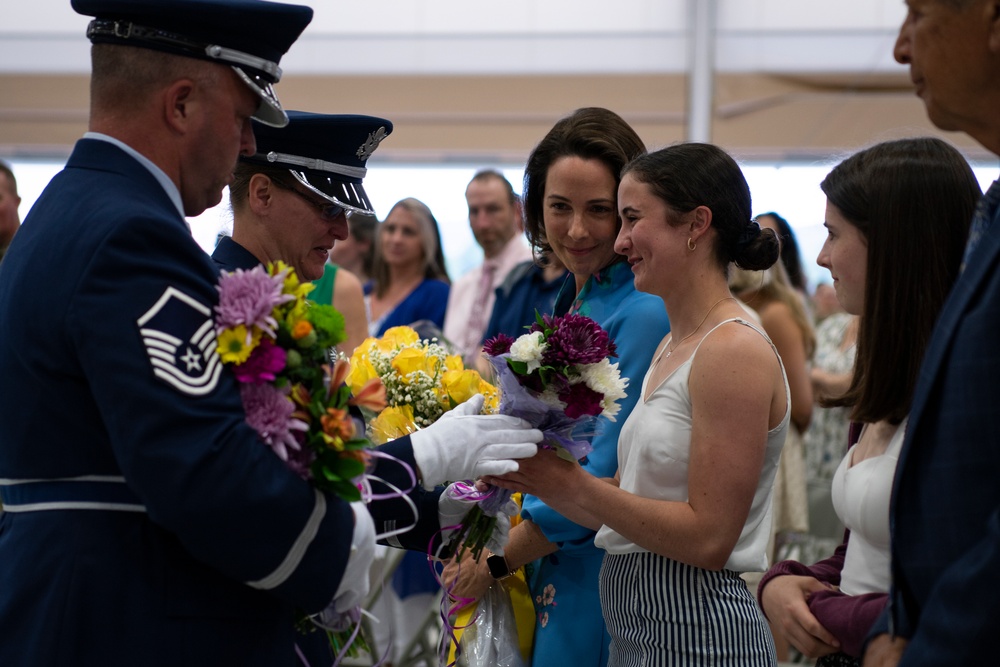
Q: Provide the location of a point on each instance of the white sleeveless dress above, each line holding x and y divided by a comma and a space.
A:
861, 494
660, 611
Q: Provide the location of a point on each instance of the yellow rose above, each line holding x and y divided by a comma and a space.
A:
363, 350
461, 385
453, 362
397, 337
361, 372
411, 359
392, 423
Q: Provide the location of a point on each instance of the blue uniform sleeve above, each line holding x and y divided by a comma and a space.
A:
637, 329
395, 513
172, 416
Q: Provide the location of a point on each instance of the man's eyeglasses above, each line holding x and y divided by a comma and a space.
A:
326, 209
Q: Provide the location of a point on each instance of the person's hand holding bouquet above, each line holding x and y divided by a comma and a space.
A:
558, 377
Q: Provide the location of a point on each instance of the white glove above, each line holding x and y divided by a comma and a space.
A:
463, 444
501, 532
354, 585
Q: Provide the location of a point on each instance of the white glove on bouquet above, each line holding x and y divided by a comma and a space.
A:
463, 444
452, 509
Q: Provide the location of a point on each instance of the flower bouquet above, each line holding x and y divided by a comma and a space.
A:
422, 381
279, 344
559, 378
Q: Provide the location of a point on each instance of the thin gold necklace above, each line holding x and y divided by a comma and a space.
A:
681, 342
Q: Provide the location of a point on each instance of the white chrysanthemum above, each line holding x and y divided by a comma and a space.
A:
529, 349
605, 378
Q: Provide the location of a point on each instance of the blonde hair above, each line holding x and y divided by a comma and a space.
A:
773, 286
430, 237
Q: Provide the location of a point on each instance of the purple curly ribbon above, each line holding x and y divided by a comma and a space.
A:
368, 496
447, 610
468, 492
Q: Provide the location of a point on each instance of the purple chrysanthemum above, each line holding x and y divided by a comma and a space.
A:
581, 400
248, 298
499, 344
549, 322
264, 363
576, 339
269, 411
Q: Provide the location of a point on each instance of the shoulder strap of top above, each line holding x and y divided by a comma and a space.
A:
784, 376
740, 320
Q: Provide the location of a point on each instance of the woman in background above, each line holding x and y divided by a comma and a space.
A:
786, 322
791, 257
897, 217
409, 283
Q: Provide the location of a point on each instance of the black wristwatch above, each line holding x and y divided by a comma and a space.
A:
498, 567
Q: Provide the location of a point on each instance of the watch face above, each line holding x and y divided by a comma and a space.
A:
498, 566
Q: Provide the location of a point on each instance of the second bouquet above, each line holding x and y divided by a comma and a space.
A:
422, 381
560, 378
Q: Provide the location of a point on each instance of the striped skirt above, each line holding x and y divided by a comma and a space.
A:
660, 612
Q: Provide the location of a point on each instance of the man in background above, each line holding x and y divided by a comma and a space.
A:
497, 224
944, 605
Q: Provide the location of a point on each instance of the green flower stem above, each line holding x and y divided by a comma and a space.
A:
474, 534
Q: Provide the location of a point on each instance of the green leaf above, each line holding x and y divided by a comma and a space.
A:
351, 468
519, 367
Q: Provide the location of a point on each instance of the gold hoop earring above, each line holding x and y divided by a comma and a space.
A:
691, 244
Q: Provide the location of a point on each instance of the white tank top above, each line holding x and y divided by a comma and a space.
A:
654, 451
861, 494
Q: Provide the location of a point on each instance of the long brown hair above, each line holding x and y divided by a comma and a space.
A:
434, 268
912, 200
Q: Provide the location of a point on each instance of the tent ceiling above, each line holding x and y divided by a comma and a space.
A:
499, 118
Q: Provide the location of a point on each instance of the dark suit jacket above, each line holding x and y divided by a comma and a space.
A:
109, 373
945, 511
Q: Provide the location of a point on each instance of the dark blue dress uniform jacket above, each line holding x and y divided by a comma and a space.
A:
113, 395
945, 512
